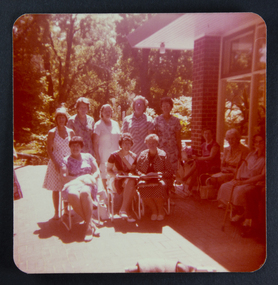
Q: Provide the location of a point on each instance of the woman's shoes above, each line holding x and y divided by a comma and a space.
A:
160, 217
95, 232
123, 215
221, 206
56, 217
131, 219
236, 218
154, 217
89, 234
247, 228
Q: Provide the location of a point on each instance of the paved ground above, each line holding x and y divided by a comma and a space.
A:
191, 234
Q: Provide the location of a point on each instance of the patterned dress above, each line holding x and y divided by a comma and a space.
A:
108, 142
252, 166
160, 163
138, 128
231, 159
116, 162
166, 131
80, 167
84, 131
61, 149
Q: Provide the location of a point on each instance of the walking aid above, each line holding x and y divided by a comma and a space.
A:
229, 204
228, 208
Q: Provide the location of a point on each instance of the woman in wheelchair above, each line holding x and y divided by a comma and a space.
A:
120, 163
80, 173
153, 164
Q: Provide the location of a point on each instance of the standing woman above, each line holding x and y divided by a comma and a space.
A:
57, 148
168, 129
106, 139
82, 124
138, 124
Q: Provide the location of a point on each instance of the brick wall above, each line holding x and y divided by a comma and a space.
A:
205, 87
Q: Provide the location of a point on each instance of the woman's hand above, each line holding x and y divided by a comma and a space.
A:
239, 182
57, 167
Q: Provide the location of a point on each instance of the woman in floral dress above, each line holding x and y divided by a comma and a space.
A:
168, 128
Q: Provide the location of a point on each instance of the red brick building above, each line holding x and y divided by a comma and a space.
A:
229, 67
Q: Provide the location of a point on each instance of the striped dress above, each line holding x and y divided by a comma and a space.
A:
138, 128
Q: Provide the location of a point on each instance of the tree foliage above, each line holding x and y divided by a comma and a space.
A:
60, 57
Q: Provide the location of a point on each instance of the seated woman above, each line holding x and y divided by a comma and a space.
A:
209, 162
151, 163
80, 173
245, 187
120, 162
232, 156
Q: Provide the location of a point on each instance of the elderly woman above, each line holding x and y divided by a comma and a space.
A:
120, 162
168, 128
209, 162
151, 163
232, 156
80, 173
82, 124
244, 186
57, 148
106, 138
139, 125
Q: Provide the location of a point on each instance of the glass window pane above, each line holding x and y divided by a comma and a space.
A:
241, 54
237, 97
260, 55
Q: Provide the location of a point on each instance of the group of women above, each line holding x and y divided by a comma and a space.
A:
83, 153
239, 176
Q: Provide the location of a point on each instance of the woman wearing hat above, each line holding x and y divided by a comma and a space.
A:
57, 148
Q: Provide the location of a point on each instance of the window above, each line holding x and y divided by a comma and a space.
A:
237, 53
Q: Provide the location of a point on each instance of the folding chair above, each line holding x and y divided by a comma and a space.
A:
62, 209
110, 201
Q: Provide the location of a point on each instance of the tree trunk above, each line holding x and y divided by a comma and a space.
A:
176, 55
69, 38
145, 82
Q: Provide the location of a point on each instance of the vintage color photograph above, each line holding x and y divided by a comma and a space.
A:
139, 142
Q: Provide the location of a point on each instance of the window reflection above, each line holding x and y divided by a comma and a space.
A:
237, 104
241, 54
260, 44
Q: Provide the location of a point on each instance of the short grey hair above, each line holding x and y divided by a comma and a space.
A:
233, 132
103, 107
151, 136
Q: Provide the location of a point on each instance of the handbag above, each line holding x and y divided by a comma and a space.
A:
207, 191
183, 169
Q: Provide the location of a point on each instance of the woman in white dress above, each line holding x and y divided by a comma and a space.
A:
57, 148
106, 139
